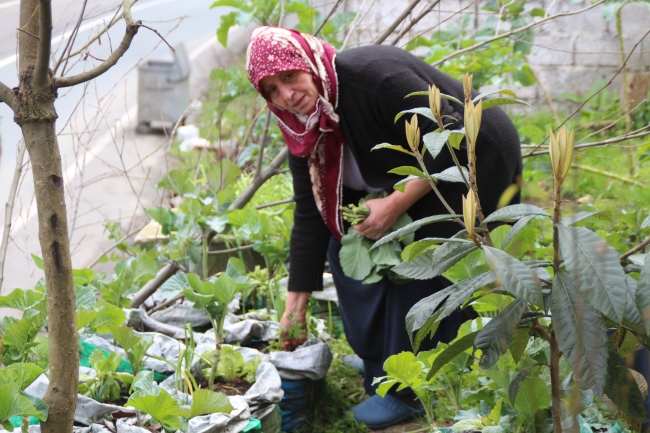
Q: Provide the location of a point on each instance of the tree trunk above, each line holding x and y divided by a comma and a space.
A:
34, 112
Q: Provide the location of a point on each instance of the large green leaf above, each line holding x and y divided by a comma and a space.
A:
515, 229
513, 389
622, 389
515, 212
419, 268
162, 407
643, 294
450, 352
109, 315
407, 170
174, 285
495, 337
495, 102
406, 369
452, 174
385, 255
355, 255
533, 396
205, 402
519, 342
21, 299
567, 221
412, 227
424, 309
632, 313
595, 270
506, 92
84, 296
580, 332
13, 403
463, 290
20, 374
423, 111
435, 141
225, 289
514, 276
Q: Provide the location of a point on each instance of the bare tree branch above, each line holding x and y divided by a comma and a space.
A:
114, 245
636, 249
128, 18
514, 32
270, 171
131, 31
594, 144
338, 2
397, 22
415, 20
42, 68
68, 45
9, 208
7, 96
150, 287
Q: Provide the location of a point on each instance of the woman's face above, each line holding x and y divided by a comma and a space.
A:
293, 90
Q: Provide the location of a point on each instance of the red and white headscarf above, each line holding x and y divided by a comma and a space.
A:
318, 135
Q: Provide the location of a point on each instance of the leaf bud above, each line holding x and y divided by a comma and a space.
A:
467, 86
561, 152
434, 102
473, 115
413, 133
469, 213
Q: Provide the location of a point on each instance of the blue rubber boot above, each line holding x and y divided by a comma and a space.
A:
378, 413
353, 361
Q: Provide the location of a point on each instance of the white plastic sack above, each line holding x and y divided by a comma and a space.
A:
309, 361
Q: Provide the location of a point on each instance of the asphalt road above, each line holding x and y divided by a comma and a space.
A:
109, 171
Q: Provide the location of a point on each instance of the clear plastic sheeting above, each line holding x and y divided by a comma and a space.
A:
309, 361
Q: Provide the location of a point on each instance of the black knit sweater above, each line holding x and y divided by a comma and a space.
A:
373, 81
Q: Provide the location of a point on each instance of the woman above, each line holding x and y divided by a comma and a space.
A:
332, 109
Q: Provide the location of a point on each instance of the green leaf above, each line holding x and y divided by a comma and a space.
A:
513, 389
85, 296
448, 255
143, 384
385, 255
392, 147
506, 92
516, 228
423, 111
355, 255
225, 23
85, 317
13, 403
532, 397
162, 407
595, 270
495, 338
451, 174
217, 223
231, 363
405, 369
456, 138
20, 374
401, 185
450, 352
424, 309
567, 221
645, 223
408, 170
515, 277
412, 227
225, 289
632, 314
463, 290
38, 262
435, 141
109, 315
642, 294
21, 299
205, 402
622, 389
38, 404
580, 332
174, 285
519, 342
537, 12
514, 212
525, 76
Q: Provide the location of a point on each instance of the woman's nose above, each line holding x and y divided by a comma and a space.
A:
286, 92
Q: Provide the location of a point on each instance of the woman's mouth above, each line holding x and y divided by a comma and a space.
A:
299, 102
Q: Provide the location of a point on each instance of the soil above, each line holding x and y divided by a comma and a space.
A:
262, 346
237, 387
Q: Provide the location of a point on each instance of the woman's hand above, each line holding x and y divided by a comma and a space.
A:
292, 324
385, 211
382, 217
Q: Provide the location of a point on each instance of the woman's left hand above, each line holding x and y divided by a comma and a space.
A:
383, 215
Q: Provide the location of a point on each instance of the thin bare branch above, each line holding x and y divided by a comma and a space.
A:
594, 144
128, 18
415, 20
260, 154
386, 33
150, 287
115, 245
636, 249
514, 32
42, 68
329, 15
270, 171
7, 96
28, 33
68, 45
9, 208
274, 203
231, 250
160, 36
131, 31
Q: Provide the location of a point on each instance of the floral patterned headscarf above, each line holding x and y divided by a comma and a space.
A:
317, 135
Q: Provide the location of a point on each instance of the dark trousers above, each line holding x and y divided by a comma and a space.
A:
374, 315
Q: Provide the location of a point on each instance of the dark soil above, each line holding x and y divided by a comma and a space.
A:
237, 387
262, 346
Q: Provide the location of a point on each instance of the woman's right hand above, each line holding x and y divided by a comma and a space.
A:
292, 324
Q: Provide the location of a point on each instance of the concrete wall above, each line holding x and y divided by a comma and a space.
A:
569, 53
